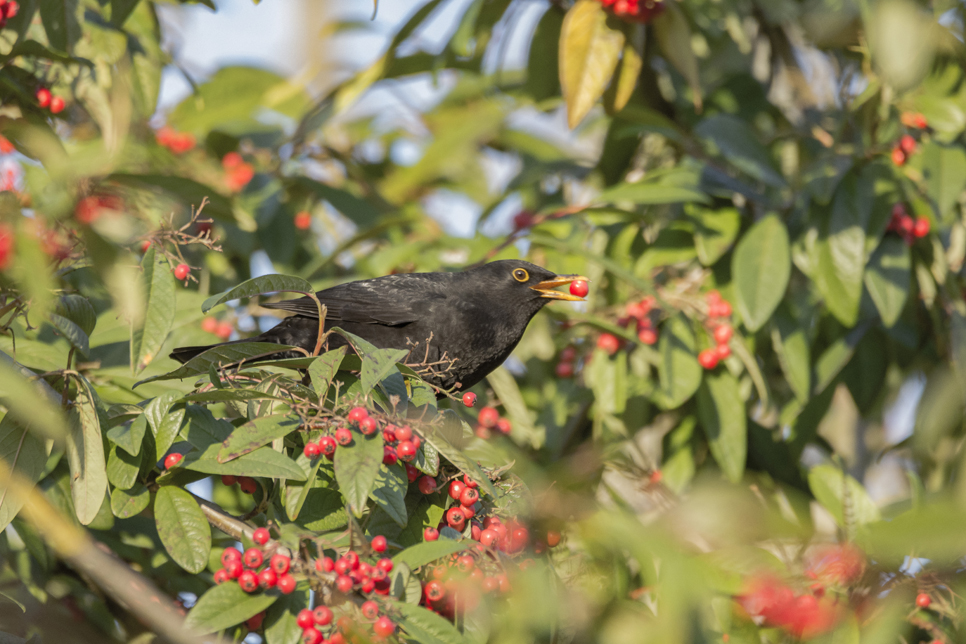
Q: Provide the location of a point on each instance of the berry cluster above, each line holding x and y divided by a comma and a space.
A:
721, 331
635, 10
177, 142
223, 329
904, 225
566, 365
247, 484
914, 120
903, 149
489, 419
237, 171
247, 570
400, 443
303, 220
8, 9
46, 100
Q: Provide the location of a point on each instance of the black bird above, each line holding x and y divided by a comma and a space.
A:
461, 325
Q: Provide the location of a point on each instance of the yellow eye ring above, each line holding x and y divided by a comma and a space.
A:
521, 275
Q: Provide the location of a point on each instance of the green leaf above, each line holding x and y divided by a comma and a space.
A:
224, 606
650, 193
159, 289
74, 334
78, 310
281, 625
324, 510
220, 356
258, 286
841, 250
835, 357
128, 503
543, 76
761, 267
183, 529
61, 20
121, 10
842, 496
389, 492
674, 38
85, 454
723, 417
455, 456
297, 492
608, 381
165, 424
791, 346
944, 169
377, 365
130, 435
24, 453
356, 469
428, 552
427, 460
508, 391
264, 461
226, 395
887, 278
323, 369
738, 143
679, 372
714, 231
30, 403
427, 627
122, 468
256, 433
590, 46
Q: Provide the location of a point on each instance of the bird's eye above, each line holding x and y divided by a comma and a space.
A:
520, 275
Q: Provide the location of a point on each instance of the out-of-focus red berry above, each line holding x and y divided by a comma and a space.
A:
224, 330
322, 615
286, 584
722, 351
898, 156
303, 220
209, 325
57, 105
383, 628
488, 417
503, 426
181, 271
43, 97
356, 414
311, 450
267, 578
923, 600
609, 343
647, 336
523, 219
723, 333
406, 450
427, 485
921, 227
343, 436
430, 534
907, 144
708, 359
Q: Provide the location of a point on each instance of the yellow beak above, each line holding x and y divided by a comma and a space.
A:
545, 288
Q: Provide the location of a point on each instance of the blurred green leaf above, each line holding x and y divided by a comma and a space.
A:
24, 453
761, 267
323, 370
841, 250
714, 231
74, 334
944, 169
263, 461
888, 277
378, 365
62, 22
508, 392
32, 404
78, 310
723, 417
428, 552
791, 347
428, 627
737, 142
674, 38
85, 454
218, 357
842, 495
679, 372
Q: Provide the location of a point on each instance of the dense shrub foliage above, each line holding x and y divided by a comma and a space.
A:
726, 443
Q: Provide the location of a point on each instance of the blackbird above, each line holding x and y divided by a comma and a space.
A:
457, 326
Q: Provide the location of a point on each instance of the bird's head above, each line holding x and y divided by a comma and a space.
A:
515, 280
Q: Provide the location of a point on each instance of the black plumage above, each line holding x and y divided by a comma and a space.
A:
462, 325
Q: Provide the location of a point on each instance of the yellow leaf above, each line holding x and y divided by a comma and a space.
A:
674, 38
625, 80
590, 46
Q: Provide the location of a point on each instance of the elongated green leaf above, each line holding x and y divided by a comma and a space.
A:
888, 277
944, 169
506, 389
427, 627
257, 286
226, 605
377, 365
761, 267
590, 46
220, 356
714, 231
225, 395
427, 460
256, 433
264, 461
281, 623
324, 510
33, 404
78, 310
159, 289
679, 372
428, 552
738, 143
389, 492
842, 249
130, 436
23, 452
128, 503
791, 346
165, 424
183, 529
122, 468
323, 369
296, 492
74, 334
842, 495
722, 414
61, 20
674, 38
356, 469
628, 71
835, 357
650, 193
85, 454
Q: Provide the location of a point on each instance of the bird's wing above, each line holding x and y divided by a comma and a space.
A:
386, 301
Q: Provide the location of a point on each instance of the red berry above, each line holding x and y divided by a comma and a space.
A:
519, 539
921, 227
304, 618
647, 336
369, 609
385, 565
303, 220
579, 288
456, 489
248, 581
322, 615
434, 591
568, 354
406, 451
923, 600
253, 558
469, 497
609, 343
286, 583
430, 534
389, 456
343, 436
465, 563
469, 399
145, 245
723, 333
488, 417
209, 324
708, 359
224, 330
247, 484
280, 564
43, 97
722, 351
411, 472
368, 426
311, 635
427, 485
228, 479
455, 519
327, 445
468, 482
356, 414
325, 564
503, 426
384, 627
267, 578
404, 433
181, 271
172, 460
907, 143
221, 576
344, 584
712, 297
898, 156
553, 538
255, 621
724, 309
488, 537
56, 105
312, 450
230, 554
379, 543
564, 370
233, 569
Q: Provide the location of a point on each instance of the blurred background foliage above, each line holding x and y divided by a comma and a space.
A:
804, 159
